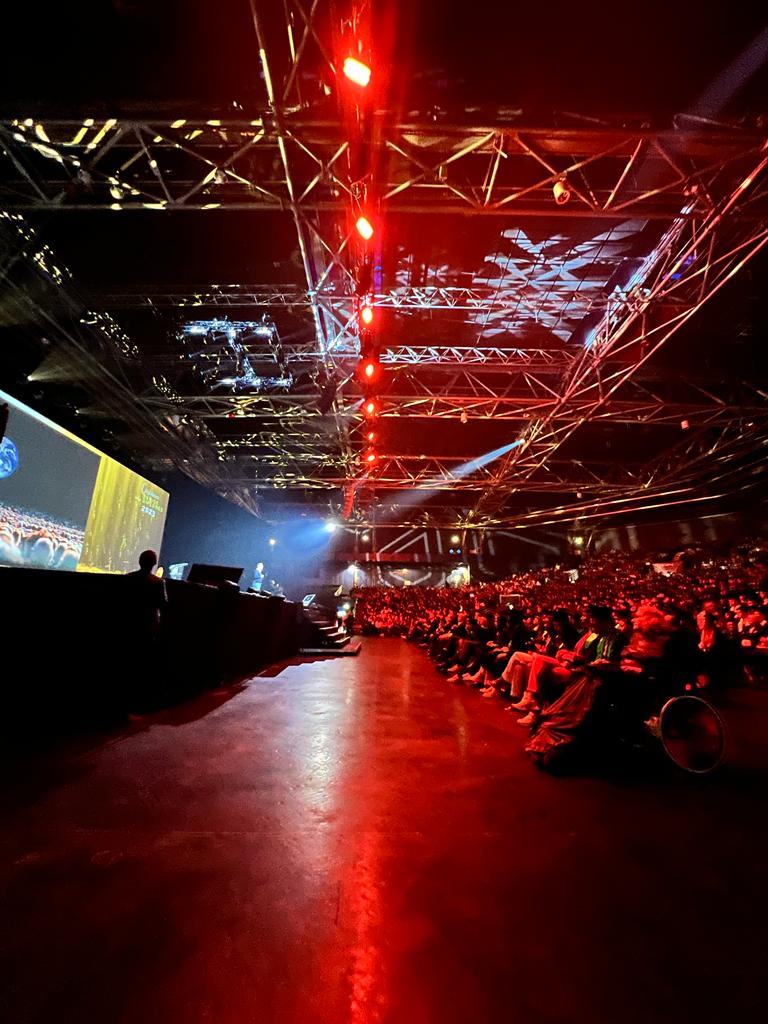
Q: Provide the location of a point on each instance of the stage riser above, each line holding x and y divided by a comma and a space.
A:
70, 632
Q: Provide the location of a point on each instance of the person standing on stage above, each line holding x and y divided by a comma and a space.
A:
149, 597
258, 577
142, 613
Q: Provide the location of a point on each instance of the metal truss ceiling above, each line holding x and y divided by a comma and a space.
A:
560, 328
193, 164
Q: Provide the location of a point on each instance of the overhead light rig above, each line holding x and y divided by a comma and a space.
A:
242, 356
355, 107
704, 185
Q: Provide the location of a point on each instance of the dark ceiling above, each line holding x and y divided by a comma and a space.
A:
655, 60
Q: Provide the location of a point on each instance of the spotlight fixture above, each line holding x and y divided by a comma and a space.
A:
684, 424
371, 436
455, 538
464, 416
371, 457
370, 408
331, 526
366, 314
356, 71
272, 542
366, 537
364, 228
369, 369
561, 192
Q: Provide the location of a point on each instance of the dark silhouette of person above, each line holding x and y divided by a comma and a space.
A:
145, 609
150, 598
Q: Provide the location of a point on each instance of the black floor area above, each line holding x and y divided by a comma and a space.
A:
356, 840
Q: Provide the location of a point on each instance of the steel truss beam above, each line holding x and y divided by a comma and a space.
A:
296, 459
411, 472
409, 298
318, 258
595, 503
693, 262
196, 164
465, 361
518, 408
739, 467
736, 444
597, 494
432, 356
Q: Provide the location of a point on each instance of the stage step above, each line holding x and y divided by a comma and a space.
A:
350, 648
319, 632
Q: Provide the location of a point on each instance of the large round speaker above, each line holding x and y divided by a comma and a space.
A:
692, 734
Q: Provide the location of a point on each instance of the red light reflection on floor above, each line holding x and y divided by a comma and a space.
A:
368, 998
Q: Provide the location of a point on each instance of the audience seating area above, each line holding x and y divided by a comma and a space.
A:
716, 608
591, 660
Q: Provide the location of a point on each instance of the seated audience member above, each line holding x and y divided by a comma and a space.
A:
557, 634
470, 664
640, 671
548, 676
452, 629
752, 633
512, 636
468, 636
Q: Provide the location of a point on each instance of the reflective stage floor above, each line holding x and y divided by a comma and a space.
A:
356, 840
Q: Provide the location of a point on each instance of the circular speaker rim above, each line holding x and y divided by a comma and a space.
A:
721, 724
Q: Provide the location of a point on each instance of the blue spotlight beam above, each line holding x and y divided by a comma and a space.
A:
419, 495
468, 468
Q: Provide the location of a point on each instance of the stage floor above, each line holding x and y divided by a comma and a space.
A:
356, 840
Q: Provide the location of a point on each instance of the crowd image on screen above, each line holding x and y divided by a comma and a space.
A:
552, 646
31, 538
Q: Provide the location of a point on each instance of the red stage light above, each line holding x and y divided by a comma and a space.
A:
370, 408
365, 228
366, 314
371, 436
369, 369
371, 457
356, 71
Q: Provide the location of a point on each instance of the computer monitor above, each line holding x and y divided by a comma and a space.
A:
212, 575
